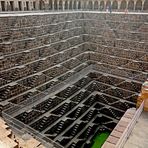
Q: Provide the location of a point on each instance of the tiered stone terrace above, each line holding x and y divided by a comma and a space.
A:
64, 71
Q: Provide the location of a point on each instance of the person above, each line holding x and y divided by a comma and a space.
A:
126, 11
110, 8
107, 9
101, 8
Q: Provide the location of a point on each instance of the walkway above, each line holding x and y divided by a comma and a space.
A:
139, 135
26, 13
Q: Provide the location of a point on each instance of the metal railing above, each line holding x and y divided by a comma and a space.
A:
130, 127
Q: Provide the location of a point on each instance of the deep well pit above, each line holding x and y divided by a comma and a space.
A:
68, 76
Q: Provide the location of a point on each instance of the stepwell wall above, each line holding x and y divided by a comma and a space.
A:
41, 50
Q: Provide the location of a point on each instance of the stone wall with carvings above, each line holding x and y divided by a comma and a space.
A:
34, 49
115, 5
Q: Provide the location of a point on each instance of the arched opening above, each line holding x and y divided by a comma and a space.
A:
55, 5
79, 5
41, 5
115, 5
145, 6
60, 5
96, 7
102, 5
123, 5
20, 6
131, 5
90, 6
50, 5
75, 5
66, 5
70, 5
108, 4
138, 5
3, 5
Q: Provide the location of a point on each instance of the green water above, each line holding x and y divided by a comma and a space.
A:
100, 139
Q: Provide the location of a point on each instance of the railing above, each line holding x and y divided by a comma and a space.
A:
130, 127
41, 95
22, 128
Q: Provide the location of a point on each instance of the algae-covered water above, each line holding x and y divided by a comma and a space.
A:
100, 139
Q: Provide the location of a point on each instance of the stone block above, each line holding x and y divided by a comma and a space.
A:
115, 133
108, 145
112, 140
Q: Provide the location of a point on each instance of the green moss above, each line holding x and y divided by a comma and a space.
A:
100, 139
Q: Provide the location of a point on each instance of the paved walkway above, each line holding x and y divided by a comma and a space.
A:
139, 135
26, 13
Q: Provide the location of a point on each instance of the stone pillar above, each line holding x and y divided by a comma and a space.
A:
82, 5
119, 4
34, 8
142, 5
72, 4
16, 7
93, 5
63, 5
25, 5
47, 5
86, 5
77, 4
36, 5
127, 4
111, 4
99, 5
7, 6
57, 4
134, 5
105, 5
31, 5
22, 6
52, 4
68, 3
0, 7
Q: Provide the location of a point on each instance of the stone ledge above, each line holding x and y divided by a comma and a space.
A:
9, 139
116, 134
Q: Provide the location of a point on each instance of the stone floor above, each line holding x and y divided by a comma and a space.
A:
139, 136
